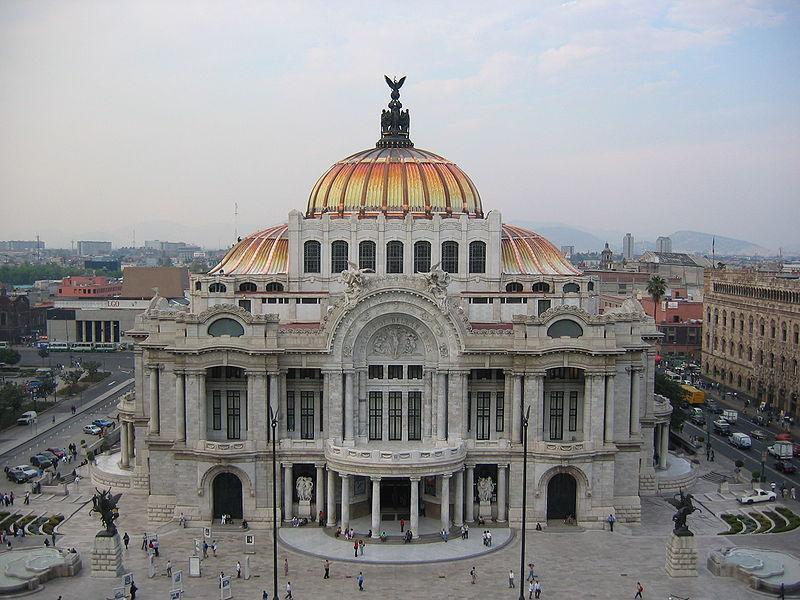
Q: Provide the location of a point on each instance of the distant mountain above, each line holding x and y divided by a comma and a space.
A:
696, 242
564, 235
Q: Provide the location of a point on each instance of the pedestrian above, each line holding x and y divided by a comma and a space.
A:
360, 580
53, 538
473, 575
155, 547
781, 592
531, 574
327, 569
288, 595
144, 542
792, 493
321, 518
611, 520
264, 595
639, 590
537, 589
205, 549
221, 577
27, 498
355, 549
712, 455
126, 540
510, 578
466, 531
402, 525
214, 547
238, 570
771, 485
169, 568
361, 546
133, 590
285, 566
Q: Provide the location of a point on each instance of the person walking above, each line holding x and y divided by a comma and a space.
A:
402, 525
361, 545
537, 589
327, 569
238, 570
530, 590
360, 580
639, 590
126, 540
285, 566
144, 542
205, 549
214, 547
355, 549
473, 574
611, 520
531, 574
264, 595
288, 595
27, 498
133, 590
169, 568
510, 578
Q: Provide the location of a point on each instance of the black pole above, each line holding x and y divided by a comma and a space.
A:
524, 501
274, 424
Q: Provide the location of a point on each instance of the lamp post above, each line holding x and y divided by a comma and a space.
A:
524, 501
274, 424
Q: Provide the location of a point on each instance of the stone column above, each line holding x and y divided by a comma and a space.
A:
536, 424
131, 440
414, 507
470, 515
516, 409
258, 413
501, 493
202, 407
635, 402
348, 407
598, 408
124, 445
288, 485
331, 497
180, 407
441, 406
445, 512
427, 405
376, 504
154, 417
333, 384
320, 488
458, 509
457, 407
345, 500
588, 389
664, 450
609, 424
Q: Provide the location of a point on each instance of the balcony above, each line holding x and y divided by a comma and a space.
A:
401, 461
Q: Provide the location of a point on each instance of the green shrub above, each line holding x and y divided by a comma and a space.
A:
792, 520
735, 524
764, 524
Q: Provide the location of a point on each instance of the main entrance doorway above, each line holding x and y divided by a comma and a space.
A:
227, 490
395, 499
561, 494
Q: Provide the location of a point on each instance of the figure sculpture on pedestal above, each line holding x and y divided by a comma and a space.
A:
105, 504
304, 487
683, 502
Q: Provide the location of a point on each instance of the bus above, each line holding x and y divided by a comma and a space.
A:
59, 347
81, 346
105, 347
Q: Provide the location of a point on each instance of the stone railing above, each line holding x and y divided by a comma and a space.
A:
562, 447
426, 459
230, 446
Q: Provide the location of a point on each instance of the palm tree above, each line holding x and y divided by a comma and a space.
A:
656, 287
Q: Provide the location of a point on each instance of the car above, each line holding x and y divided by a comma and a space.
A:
103, 422
59, 452
757, 495
783, 437
757, 434
761, 420
92, 429
21, 473
27, 418
784, 466
698, 420
42, 461
722, 427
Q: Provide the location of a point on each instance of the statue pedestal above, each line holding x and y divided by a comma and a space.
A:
107, 556
485, 510
304, 509
681, 556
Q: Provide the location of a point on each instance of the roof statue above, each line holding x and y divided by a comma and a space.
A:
395, 123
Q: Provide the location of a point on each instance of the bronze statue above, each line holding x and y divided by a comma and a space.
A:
395, 123
683, 502
105, 504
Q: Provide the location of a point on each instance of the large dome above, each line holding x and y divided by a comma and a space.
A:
394, 181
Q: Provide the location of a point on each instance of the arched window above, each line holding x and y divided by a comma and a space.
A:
571, 288
274, 286
565, 328
514, 287
394, 257
248, 286
339, 251
477, 257
541, 288
761, 327
225, 326
590, 285
750, 354
366, 255
450, 257
198, 286
217, 288
422, 256
312, 254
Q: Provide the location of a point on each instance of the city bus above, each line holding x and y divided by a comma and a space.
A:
105, 347
59, 347
81, 346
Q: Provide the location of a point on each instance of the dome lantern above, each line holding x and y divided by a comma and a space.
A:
395, 123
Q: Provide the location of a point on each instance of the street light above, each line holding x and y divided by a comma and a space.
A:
273, 417
524, 501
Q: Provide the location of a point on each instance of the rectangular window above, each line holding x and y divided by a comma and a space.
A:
483, 409
543, 306
289, 411
307, 415
216, 410
234, 406
469, 412
414, 415
375, 415
394, 257
376, 371
321, 405
415, 371
573, 411
499, 411
395, 371
556, 415
395, 415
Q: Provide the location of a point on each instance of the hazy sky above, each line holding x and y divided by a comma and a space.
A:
640, 115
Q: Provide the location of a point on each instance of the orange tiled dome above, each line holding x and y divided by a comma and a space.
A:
262, 253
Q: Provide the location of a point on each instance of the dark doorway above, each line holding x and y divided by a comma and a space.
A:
561, 493
227, 490
395, 499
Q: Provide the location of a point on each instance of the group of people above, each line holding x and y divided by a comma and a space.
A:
784, 491
465, 532
7, 499
487, 538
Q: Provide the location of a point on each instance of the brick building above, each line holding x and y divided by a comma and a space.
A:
89, 287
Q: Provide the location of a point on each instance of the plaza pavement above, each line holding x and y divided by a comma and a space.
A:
570, 563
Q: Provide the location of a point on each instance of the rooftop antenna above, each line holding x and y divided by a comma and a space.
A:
236, 220
134, 237
38, 246
713, 253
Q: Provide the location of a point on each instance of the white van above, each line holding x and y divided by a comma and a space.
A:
4, 345
27, 418
741, 441
730, 415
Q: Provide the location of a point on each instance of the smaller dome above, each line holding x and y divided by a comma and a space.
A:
262, 253
528, 253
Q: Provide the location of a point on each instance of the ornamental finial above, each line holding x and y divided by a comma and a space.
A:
395, 123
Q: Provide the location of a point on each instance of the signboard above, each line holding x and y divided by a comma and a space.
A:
197, 547
194, 566
207, 532
175, 594
127, 579
249, 544
225, 591
177, 580
119, 593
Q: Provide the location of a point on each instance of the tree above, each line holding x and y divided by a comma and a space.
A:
91, 366
9, 356
677, 396
656, 288
71, 377
12, 397
43, 353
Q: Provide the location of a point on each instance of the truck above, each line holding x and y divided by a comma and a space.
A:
781, 450
740, 440
730, 415
693, 395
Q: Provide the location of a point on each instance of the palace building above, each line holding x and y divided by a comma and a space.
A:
400, 333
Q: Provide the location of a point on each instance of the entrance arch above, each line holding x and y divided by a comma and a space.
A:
562, 492
227, 492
